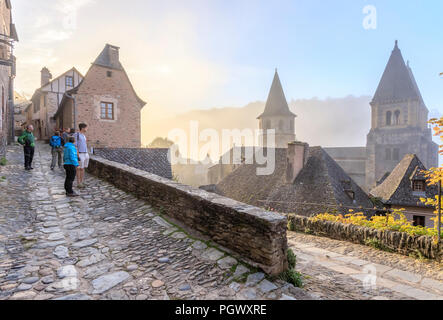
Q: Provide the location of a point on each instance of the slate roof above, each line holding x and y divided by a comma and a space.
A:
109, 58
398, 82
276, 105
320, 187
397, 187
155, 161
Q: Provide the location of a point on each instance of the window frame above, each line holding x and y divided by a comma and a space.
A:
419, 221
72, 81
106, 105
418, 186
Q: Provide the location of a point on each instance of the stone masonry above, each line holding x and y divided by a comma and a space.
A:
253, 233
108, 245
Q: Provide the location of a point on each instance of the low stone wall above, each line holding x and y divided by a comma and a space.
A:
396, 241
256, 235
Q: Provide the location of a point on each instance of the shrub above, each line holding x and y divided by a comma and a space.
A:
293, 277
292, 259
395, 221
3, 161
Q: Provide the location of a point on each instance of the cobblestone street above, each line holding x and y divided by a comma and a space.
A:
343, 270
106, 244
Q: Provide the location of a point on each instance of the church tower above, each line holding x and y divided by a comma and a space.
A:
399, 122
278, 117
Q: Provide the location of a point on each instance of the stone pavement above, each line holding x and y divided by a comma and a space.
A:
106, 244
342, 270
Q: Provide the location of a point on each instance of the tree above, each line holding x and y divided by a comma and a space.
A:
161, 143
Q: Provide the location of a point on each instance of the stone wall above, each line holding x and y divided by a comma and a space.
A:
257, 236
396, 241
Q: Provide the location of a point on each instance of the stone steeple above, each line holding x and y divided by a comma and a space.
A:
278, 117
397, 83
399, 123
276, 105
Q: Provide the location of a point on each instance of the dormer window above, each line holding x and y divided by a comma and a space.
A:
351, 194
388, 118
418, 186
397, 118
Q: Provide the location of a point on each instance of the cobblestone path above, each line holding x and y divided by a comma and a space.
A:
106, 244
342, 270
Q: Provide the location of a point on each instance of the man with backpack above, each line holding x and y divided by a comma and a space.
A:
27, 140
57, 150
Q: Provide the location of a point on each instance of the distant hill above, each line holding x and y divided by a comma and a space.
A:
331, 122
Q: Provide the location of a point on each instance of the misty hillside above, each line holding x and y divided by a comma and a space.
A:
331, 122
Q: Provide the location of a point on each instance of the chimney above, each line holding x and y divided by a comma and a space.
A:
46, 76
297, 156
114, 56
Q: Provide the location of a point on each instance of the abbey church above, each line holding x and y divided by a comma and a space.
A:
399, 127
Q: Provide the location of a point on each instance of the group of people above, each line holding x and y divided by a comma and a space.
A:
70, 145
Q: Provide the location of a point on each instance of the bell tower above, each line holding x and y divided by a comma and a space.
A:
278, 117
399, 122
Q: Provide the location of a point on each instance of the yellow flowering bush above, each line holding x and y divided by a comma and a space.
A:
395, 221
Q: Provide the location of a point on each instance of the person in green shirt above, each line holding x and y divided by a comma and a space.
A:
27, 140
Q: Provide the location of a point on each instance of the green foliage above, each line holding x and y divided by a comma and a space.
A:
374, 243
3, 161
293, 277
161, 143
292, 259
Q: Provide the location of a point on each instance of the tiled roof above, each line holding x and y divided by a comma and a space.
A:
320, 187
155, 161
397, 82
397, 187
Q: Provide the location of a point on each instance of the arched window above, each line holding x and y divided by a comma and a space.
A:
397, 117
388, 118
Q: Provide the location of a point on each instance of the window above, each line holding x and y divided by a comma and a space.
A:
388, 118
418, 186
109, 74
397, 117
268, 125
69, 81
281, 125
419, 221
107, 111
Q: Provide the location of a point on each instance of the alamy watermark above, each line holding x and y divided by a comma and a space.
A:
370, 19
259, 150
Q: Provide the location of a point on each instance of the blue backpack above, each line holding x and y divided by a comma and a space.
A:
55, 142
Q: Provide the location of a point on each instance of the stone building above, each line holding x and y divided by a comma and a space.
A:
21, 105
306, 181
278, 117
399, 127
8, 35
47, 99
107, 102
404, 187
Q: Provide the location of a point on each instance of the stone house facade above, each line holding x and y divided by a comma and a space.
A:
8, 35
107, 102
47, 99
404, 188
